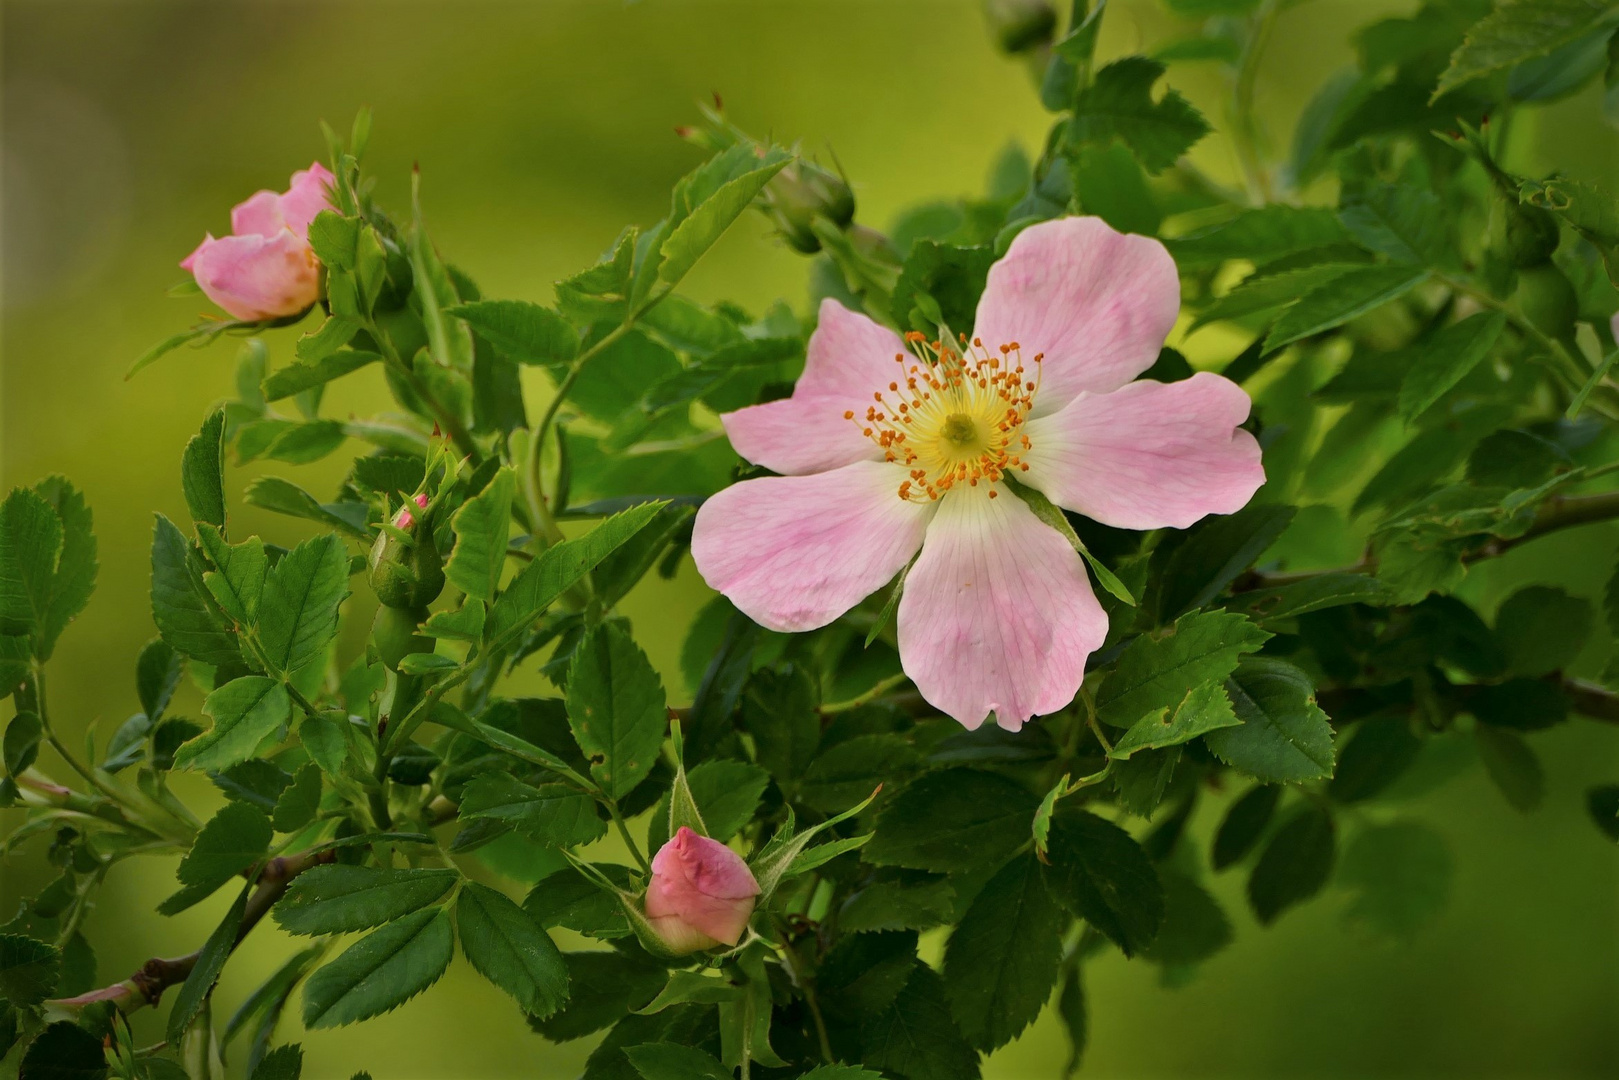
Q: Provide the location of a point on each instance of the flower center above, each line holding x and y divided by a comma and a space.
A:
953, 418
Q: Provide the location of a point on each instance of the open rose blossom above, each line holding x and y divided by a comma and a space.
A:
265, 269
701, 894
885, 451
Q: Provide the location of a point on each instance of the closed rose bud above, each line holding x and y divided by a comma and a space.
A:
407, 575
701, 894
266, 269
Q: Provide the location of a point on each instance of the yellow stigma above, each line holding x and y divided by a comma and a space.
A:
953, 418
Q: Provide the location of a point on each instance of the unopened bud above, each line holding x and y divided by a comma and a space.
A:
407, 575
701, 894
800, 194
1020, 25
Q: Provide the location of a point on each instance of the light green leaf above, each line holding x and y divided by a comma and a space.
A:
285, 497
525, 332
1205, 708
1446, 358
30, 543
75, 576
238, 584
245, 711
449, 342
1284, 736
509, 949
708, 220
381, 971
300, 802
692, 987
230, 842
1518, 30
557, 570
298, 612
616, 708
202, 471
481, 527
1341, 299
296, 378
1156, 671
1406, 223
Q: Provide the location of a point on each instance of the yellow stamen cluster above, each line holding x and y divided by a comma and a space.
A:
953, 417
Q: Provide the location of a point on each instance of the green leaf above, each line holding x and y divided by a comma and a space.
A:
1267, 292
1295, 865
285, 497
211, 959
690, 987
779, 711
339, 899
894, 905
604, 986
1205, 708
238, 585
1341, 299
426, 664
282, 1063
202, 471
229, 843
1099, 873
1401, 874
953, 820
296, 378
916, 1036
1513, 765
1315, 593
624, 568
1602, 803
245, 711
616, 708
298, 612
1109, 182
448, 341
668, 1061
1001, 961
1195, 927
179, 601
300, 802
1075, 1019
1156, 673
1051, 515
63, 1051
553, 814
381, 971
522, 331
851, 770
557, 570
1284, 736
1408, 224
30, 544
21, 743
725, 794
509, 949
1216, 552
1519, 30
481, 527
568, 898
1381, 748
28, 969
1542, 629
692, 238
1446, 358
1119, 105
1259, 235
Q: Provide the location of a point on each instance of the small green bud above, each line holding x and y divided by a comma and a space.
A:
1523, 235
394, 634
1020, 26
802, 192
407, 575
1548, 300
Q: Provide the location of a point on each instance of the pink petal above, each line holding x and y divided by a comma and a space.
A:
1150, 455
998, 615
849, 358
258, 216
699, 884
190, 261
1097, 303
307, 195
258, 277
795, 552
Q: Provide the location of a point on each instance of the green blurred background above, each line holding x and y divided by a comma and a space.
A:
541, 128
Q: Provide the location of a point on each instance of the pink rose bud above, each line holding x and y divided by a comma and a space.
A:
266, 268
405, 519
701, 894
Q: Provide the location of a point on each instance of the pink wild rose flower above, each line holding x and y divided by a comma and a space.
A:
266, 269
883, 452
701, 894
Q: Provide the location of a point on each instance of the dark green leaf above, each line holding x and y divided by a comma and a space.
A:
30, 544
725, 792
1284, 735
1099, 873
568, 898
553, 814
381, 971
1602, 802
603, 987
300, 802
296, 378
28, 969
850, 771
1295, 865
1215, 553
953, 820
211, 959
1381, 749
338, 899
481, 527
779, 711
1195, 928
616, 708
285, 497
202, 471
63, 1051
1341, 299
1513, 765
667, 1061
228, 844
1119, 105
1542, 629
1446, 358
510, 950
1401, 873
1001, 960
1157, 672
282, 1063
298, 612
1408, 224
916, 1037
895, 905
20, 747
157, 674
1315, 593
180, 606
